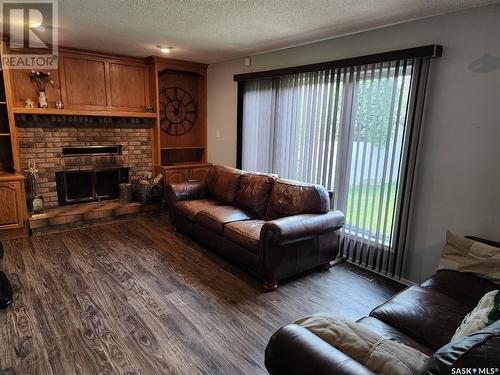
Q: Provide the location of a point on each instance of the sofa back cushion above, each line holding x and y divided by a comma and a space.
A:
290, 197
468, 256
224, 182
254, 193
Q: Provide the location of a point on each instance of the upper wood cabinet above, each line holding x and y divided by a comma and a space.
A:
94, 82
83, 81
128, 86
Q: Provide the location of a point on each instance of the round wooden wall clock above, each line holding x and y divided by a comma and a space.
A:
178, 111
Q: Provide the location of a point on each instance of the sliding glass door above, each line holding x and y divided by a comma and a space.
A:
344, 129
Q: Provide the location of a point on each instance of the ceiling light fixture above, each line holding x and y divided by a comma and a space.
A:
165, 49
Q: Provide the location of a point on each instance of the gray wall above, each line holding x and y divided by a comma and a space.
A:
458, 175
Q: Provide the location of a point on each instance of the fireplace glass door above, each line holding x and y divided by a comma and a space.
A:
87, 186
79, 186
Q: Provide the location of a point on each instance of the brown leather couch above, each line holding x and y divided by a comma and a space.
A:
423, 316
273, 228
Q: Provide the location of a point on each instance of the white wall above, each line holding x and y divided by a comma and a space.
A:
458, 175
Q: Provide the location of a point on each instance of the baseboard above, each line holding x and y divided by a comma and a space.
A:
407, 282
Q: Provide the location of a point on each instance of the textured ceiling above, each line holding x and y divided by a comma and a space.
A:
215, 30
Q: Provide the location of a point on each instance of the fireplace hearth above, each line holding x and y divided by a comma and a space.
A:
89, 185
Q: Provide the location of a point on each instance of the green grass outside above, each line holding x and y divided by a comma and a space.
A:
372, 192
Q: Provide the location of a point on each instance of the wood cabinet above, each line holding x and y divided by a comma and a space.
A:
83, 81
183, 173
90, 82
176, 175
199, 173
11, 202
128, 86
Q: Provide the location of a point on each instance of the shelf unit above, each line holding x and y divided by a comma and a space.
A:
188, 148
184, 157
13, 208
6, 150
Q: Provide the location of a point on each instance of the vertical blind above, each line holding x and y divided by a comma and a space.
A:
353, 130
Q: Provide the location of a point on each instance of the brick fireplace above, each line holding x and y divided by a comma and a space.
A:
44, 137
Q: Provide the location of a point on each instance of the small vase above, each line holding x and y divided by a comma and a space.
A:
42, 99
37, 204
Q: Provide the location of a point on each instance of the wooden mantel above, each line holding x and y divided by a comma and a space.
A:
76, 112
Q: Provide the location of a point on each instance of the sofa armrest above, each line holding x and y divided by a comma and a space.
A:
294, 350
297, 227
184, 191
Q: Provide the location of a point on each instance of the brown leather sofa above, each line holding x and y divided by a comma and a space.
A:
423, 316
271, 227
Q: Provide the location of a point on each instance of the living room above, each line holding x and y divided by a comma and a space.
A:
205, 187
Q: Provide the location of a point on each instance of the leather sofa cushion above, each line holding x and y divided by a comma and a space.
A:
424, 314
465, 288
224, 183
215, 218
245, 233
391, 333
254, 193
290, 197
190, 208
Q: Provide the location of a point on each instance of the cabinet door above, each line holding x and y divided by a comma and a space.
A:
83, 84
199, 174
176, 175
128, 86
11, 208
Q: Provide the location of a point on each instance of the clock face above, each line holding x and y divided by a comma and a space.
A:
178, 111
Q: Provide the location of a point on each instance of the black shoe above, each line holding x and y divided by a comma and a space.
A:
5, 291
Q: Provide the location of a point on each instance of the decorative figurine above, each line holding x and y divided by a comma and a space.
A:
28, 103
59, 104
42, 99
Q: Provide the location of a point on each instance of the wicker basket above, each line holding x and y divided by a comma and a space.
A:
147, 193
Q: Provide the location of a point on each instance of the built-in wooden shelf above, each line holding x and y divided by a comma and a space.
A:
184, 148
73, 112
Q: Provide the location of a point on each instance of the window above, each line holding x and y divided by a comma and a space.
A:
349, 129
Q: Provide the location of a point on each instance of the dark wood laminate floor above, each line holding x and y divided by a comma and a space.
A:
137, 298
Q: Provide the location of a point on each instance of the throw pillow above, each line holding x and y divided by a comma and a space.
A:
485, 313
465, 255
